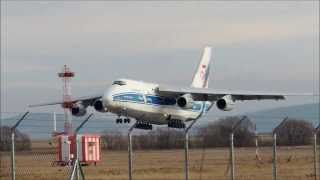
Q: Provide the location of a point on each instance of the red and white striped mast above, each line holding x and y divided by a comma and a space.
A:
66, 74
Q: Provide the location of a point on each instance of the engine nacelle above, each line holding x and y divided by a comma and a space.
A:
98, 106
79, 110
185, 101
226, 103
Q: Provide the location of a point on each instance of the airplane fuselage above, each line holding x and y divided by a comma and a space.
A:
140, 100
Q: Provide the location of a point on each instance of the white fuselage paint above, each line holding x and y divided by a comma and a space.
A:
139, 100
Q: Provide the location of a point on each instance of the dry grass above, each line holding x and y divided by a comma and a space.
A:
294, 164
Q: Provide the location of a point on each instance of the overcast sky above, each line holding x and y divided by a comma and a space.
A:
261, 46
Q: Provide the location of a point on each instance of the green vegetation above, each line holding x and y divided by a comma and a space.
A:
22, 141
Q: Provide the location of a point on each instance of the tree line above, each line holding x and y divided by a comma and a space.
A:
293, 132
22, 140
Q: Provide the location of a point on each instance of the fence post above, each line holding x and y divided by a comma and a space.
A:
186, 149
315, 154
13, 160
231, 157
256, 137
274, 154
234, 127
13, 164
315, 133
130, 150
186, 141
274, 159
186, 156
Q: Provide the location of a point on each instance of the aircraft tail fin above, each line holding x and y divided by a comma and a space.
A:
201, 76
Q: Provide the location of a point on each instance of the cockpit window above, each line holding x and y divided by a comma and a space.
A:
120, 83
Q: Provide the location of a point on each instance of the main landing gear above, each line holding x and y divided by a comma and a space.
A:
142, 125
175, 123
124, 120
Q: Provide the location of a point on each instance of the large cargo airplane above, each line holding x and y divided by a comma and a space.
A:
150, 103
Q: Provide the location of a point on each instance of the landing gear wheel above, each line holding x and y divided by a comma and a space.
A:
174, 123
126, 120
145, 126
119, 120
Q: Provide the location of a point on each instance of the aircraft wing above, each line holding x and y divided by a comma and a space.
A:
202, 94
86, 101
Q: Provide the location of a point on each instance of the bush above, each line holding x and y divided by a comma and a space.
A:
114, 140
22, 141
217, 134
294, 132
161, 138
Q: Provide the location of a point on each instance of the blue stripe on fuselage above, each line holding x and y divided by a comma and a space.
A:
158, 100
129, 97
155, 100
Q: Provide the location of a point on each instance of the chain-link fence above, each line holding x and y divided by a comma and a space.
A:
156, 154
35, 150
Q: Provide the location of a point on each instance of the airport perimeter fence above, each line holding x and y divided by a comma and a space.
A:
36, 153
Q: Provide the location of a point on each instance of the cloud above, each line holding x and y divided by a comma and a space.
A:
257, 45
136, 28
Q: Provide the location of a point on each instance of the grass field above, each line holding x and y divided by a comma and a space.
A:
294, 163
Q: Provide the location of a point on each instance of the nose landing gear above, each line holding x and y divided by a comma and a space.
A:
124, 120
118, 120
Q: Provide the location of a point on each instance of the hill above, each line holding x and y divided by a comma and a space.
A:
40, 125
266, 120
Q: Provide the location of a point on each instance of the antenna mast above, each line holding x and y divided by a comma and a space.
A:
66, 74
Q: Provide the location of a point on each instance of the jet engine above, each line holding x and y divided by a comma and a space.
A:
98, 106
185, 101
226, 103
78, 110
